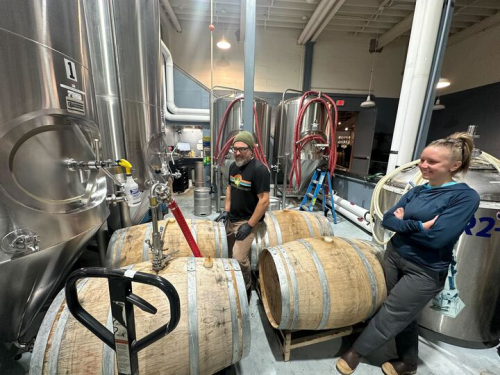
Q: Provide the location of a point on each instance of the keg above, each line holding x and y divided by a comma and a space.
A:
202, 201
199, 175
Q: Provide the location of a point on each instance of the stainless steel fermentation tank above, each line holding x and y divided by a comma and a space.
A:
315, 121
47, 116
469, 306
234, 125
124, 41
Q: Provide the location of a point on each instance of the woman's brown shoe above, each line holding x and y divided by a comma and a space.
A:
398, 368
348, 362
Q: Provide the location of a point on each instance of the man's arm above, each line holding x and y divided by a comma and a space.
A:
261, 208
227, 204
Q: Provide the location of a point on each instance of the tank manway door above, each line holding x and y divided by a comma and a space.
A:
35, 175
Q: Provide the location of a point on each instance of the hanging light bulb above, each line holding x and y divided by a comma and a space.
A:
368, 103
443, 82
438, 106
223, 43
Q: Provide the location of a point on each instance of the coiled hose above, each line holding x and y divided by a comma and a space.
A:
299, 143
221, 152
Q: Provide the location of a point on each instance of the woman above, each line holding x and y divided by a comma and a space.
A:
428, 220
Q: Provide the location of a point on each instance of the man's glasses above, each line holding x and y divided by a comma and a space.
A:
240, 149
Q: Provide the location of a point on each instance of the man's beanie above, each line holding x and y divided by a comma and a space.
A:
245, 137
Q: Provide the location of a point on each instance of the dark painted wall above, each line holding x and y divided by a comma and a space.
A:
479, 106
384, 128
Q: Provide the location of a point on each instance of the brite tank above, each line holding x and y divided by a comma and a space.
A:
468, 307
234, 124
47, 116
315, 121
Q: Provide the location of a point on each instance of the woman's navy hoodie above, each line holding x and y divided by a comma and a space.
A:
455, 204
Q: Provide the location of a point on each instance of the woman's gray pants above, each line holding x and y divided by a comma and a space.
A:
409, 287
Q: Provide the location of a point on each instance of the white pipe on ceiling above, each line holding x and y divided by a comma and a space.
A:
318, 16
326, 21
171, 15
423, 39
169, 87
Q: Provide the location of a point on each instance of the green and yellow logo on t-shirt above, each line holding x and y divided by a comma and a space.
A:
239, 182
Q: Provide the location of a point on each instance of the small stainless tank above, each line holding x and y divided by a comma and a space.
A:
202, 201
234, 125
468, 307
315, 121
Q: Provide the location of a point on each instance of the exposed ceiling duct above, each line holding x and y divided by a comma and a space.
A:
170, 96
325, 23
171, 15
318, 16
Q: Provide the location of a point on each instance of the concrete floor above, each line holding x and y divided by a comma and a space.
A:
438, 354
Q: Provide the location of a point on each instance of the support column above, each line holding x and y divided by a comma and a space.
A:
249, 64
308, 60
437, 64
424, 34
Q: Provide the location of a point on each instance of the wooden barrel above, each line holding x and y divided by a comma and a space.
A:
288, 225
321, 283
128, 246
213, 331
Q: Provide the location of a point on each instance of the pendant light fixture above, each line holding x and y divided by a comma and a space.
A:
442, 83
438, 106
223, 43
368, 103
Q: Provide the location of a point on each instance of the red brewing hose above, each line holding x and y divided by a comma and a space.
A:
298, 143
184, 228
221, 152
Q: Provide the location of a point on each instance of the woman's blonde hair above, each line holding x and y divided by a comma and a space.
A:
460, 145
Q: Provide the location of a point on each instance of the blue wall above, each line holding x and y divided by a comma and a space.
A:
188, 93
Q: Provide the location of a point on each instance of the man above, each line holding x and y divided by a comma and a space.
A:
247, 198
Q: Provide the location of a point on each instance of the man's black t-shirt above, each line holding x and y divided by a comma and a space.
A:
246, 182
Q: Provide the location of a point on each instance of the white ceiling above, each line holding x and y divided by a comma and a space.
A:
363, 18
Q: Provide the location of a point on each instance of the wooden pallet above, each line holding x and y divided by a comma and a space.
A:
289, 340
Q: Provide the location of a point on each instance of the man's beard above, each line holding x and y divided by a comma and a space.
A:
243, 161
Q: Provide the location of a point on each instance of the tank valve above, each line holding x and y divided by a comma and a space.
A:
20, 241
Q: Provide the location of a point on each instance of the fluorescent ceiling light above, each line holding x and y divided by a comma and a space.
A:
443, 82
